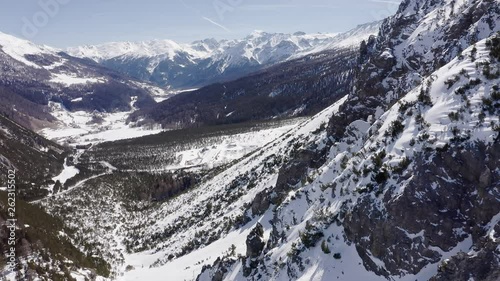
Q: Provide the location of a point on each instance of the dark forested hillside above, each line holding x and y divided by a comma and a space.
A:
35, 158
297, 88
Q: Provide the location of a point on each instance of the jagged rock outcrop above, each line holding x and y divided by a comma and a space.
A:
255, 244
482, 264
217, 271
403, 54
451, 193
402, 231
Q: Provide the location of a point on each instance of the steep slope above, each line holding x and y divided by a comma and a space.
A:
386, 202
204, 62
359, 202
36, 159
349, 39
411, 45
139, 233
33, 75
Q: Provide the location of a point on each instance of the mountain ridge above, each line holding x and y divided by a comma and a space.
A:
208, 61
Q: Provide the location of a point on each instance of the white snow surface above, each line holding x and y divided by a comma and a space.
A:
17, 48
349, 39
228, 149
71, 79
67, 173
184, 268
78, 128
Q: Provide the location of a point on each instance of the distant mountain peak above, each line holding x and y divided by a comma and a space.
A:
18, 48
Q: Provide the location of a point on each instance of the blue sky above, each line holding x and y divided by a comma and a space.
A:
63, 23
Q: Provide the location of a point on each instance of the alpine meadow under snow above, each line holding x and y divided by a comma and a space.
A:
372, 154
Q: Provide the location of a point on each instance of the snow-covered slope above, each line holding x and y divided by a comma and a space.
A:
223, 213
18, 48
17, 53
349, 39
207, 61
82, 127
310, 221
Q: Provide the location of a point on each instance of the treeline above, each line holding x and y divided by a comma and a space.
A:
155, 152
41, 245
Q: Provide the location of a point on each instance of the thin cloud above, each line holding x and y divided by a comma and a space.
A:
196, 11
216, 24
386, 2
283, 6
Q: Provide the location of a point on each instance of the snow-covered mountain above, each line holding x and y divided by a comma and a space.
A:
37, 80
346, 40
396, 180
207, 61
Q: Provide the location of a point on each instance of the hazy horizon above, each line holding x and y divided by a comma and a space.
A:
58, 23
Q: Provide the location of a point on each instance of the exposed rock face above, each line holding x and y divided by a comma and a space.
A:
290, 176
261, 203
401, 233
217, 271
464, 195
255, 245
463, 267
482, 265
397, 62
255, 242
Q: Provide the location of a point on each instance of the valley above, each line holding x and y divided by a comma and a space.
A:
371, 154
